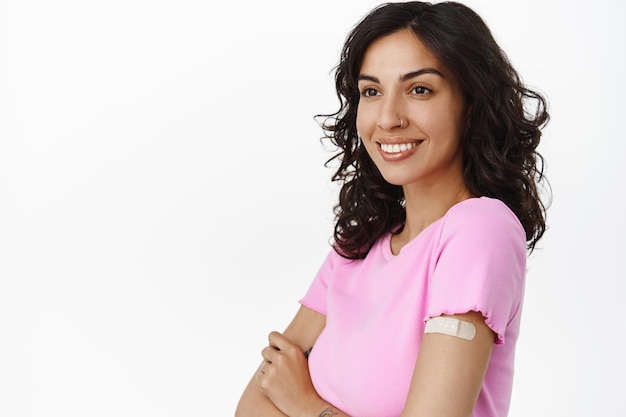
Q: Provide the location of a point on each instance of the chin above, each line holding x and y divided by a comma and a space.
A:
398, 180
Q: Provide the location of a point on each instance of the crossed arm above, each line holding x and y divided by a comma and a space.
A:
299, 336
446, 381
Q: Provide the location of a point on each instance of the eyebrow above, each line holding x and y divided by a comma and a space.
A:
404, 77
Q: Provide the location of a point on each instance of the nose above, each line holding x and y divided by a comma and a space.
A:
391, 113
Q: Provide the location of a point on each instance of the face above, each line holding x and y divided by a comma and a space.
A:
411, 113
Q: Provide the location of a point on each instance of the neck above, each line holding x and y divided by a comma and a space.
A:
425, 205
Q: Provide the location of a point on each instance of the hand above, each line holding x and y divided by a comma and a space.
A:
284, 377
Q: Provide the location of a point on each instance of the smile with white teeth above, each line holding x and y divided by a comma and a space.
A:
397, 147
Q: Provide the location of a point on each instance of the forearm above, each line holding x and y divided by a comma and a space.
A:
329, 411
302, 332
254, 404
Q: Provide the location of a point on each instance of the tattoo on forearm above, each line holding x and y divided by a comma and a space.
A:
329, 412
308, 352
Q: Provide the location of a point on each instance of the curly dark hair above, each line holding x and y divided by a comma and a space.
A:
499, 144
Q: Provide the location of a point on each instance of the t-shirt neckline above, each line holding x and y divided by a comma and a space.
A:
386, 240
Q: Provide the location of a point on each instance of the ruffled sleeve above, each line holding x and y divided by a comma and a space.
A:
480, 264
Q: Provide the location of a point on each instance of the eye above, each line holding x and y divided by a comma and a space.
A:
420, 90
369, 92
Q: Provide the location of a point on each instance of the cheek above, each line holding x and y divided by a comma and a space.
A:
449, 126
363, 122
365, 131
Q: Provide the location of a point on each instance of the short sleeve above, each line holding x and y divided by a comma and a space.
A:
480, 265
315, 297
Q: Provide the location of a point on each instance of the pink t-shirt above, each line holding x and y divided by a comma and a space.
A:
472, 259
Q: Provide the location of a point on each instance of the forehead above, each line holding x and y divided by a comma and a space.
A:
398, 53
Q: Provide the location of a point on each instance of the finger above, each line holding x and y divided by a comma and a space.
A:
280, 342
260, 377
276, 339
270, 354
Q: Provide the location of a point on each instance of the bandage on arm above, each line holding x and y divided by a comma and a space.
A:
451, 326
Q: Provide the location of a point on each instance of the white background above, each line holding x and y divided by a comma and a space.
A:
163, 200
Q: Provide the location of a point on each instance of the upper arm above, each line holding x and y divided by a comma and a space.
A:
449, 371
480, 274
305, 327
303, 330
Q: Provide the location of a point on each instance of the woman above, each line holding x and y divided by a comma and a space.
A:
416, 310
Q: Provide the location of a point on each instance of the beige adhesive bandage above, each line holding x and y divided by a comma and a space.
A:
451, 326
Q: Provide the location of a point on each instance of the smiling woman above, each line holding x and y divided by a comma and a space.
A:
419, 301
410, 119
411, 116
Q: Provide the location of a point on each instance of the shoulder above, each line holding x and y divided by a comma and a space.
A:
483, 208
483, 220
335, 261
